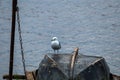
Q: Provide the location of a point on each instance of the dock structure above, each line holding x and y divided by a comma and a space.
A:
69, 66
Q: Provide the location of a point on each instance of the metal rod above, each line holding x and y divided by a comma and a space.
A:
14, 8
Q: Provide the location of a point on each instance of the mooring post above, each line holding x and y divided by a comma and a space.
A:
14, 9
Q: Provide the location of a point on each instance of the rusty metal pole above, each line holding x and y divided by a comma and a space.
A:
14, 9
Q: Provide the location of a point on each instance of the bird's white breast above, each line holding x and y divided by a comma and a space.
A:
55, 44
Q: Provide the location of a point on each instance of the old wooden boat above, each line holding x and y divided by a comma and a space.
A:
73, 67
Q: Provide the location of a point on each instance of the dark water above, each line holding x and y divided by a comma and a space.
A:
91, 25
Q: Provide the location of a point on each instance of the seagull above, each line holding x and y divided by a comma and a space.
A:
55, 44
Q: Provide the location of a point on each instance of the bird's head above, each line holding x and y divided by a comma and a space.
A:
54, 38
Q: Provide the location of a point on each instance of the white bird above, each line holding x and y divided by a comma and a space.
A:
55, 44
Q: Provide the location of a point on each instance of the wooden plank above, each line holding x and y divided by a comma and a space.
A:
31, 75
15, 76
114, 77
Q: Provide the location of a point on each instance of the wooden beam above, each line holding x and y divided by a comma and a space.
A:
15, 76
14, 8
30, 76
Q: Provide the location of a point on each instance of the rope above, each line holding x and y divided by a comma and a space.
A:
20, 39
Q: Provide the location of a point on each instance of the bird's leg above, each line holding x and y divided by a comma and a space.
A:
57, 51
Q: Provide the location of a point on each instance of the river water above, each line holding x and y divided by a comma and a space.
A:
91, 25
